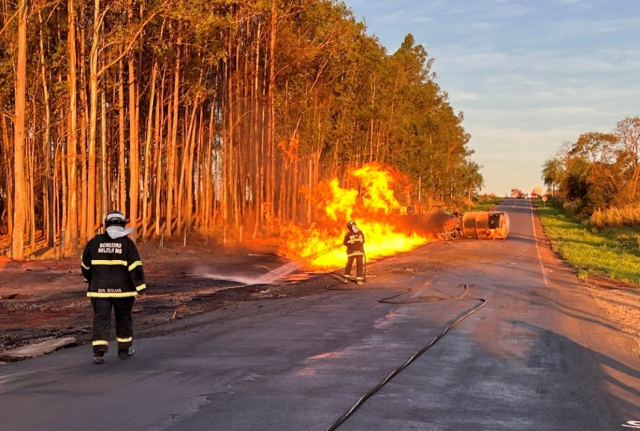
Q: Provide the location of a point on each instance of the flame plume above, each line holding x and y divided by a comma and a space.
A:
371, 206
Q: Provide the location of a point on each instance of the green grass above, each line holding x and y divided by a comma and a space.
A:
612, 252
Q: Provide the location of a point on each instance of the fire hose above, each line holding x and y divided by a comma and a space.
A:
389, 300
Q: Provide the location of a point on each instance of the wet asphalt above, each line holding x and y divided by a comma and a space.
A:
540, 355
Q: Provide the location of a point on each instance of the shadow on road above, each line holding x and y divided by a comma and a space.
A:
603, 366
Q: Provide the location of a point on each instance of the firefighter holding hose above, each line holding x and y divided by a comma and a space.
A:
354, 241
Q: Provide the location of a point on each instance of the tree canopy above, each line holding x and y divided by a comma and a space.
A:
206, 116
600, 170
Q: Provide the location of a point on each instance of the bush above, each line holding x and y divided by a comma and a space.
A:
628, 215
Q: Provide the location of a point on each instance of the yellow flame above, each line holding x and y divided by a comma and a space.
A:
370, 205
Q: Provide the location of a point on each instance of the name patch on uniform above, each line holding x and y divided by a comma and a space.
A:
110, 247
109, 290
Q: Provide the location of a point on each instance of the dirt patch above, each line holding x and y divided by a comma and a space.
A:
621, 302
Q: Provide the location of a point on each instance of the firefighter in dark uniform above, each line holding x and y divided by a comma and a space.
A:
111, 265
354, 241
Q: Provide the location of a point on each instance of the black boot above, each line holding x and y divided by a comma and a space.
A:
126, 353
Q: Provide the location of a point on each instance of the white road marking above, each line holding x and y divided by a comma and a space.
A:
535, 238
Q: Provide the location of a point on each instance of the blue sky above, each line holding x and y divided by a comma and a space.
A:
528, 74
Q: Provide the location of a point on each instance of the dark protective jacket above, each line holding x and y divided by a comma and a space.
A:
355, 243
112, 267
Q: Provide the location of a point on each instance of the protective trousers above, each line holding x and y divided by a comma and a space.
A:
359, 266
102, 323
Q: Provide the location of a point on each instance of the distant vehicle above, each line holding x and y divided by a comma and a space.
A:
516, 193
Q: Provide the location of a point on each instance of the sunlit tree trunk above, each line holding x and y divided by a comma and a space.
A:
46, 139
71, 237
158, 157
122, 176
8, 154
271, 127
258, 183
173, 143
209, 196
104, 186
93, 119
134, 150
147, 152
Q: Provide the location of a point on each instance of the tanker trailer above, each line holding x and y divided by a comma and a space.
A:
484, 225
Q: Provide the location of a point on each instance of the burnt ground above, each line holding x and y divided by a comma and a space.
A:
42, 299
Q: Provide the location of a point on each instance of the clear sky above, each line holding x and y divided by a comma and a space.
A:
528, 74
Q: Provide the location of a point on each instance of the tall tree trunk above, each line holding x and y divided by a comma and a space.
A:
134, 150
31, 181
104, 187
258, 184
229, 158
158, 154
71, 237
271, 138
9, 174
147, 152
225, 156
122, 170
48, 196
209, 196
93, 119
173, 143
84, 120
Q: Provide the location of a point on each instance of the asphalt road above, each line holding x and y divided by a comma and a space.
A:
538, 356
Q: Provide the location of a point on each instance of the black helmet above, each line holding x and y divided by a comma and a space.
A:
351, 224
115, 218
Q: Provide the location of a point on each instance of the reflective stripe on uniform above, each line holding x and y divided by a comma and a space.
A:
355, 253
141, 287
111, 295
134, 264
100, 343
124, 340
109, 262
83, 265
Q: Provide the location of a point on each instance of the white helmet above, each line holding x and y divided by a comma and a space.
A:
115, 218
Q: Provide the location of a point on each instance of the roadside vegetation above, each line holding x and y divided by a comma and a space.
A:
612, 251
597, 178
594, 183
487, 202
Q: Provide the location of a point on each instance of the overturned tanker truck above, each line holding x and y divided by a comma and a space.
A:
470, 225
477, 225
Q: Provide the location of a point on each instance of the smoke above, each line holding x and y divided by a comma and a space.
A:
428, 225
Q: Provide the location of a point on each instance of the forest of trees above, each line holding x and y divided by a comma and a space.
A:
599, 172
205, 116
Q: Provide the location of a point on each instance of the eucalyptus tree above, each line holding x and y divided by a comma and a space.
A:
17, 239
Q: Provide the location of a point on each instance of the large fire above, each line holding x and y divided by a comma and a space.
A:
370, 205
